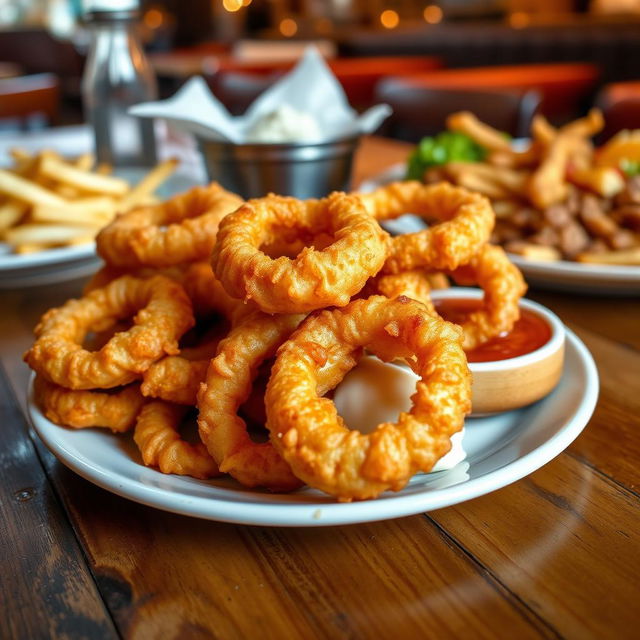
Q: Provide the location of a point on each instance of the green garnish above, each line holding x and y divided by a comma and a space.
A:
630, 167
448, 146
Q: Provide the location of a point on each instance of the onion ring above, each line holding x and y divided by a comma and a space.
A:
82, 409
162, 314
314, 278
306, 428
182, 229
228, 384
159, 442
177, 378
416, 284
467, 221
503, 287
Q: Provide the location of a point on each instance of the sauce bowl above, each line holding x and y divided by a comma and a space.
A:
503, 385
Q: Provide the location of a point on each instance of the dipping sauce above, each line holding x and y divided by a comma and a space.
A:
529, 333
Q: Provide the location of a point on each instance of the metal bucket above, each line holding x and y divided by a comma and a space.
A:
299, 170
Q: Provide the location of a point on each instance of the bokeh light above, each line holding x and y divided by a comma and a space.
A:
232, 5
432, 14
288, 27
389, 19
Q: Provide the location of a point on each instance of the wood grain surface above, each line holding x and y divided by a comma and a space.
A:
555, 555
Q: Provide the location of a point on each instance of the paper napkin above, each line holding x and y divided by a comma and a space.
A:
310, 88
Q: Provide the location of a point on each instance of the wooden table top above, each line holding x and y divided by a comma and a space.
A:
554, 555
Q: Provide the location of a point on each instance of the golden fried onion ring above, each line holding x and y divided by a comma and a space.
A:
416, 284
160, 444
314, 278
311, 436
503, 286
228, 384
162, 313
177, 378
467, 220
182, 229
81, 409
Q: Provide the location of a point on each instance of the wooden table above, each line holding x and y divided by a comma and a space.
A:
553, 555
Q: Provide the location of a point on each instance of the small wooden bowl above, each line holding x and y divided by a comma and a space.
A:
503, 385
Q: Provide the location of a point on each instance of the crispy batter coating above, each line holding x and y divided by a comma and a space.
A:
503, 287
81, 409
314, 278
197, 278
228, 384
160, 444
306, 429
106, 274
182, 229
177, 378
161, 313
416, 284
466, 221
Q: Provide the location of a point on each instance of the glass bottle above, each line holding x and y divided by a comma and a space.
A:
118, 75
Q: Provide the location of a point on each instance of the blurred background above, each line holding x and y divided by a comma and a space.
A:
425, 58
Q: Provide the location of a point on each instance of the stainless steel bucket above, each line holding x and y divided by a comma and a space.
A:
300, 170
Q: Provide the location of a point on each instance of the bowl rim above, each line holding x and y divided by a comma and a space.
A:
353, 138
552, 346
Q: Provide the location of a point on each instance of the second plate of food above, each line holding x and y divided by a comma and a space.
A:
560, 275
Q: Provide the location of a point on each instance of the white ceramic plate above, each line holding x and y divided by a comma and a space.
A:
47, 267
67, 263
500, 450
562, 275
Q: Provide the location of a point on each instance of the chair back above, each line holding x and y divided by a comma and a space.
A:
563, 87
236, 84
422, 111
29, 101
237, 91
620, 104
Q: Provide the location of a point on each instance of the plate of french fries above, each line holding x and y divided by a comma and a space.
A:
567, 212
52, 207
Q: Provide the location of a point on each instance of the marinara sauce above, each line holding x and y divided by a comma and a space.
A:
529, 333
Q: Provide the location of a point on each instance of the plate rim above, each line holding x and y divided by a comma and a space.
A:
48, 257
335, 513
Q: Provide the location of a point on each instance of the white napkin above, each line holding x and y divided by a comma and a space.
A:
310, 87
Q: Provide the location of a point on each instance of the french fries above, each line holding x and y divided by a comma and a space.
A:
558, 198
48, 201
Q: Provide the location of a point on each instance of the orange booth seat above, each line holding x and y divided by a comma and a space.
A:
358, 76
620, 104
561, 86
27, 100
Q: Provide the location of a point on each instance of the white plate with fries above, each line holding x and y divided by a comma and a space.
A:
567, 212
51, 209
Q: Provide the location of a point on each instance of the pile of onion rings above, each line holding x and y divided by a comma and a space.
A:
295, 290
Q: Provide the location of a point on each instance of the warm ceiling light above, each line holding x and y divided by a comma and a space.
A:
153, 18
232, 5
519, 19
246, 3
288, 27
432, 14
389, 19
